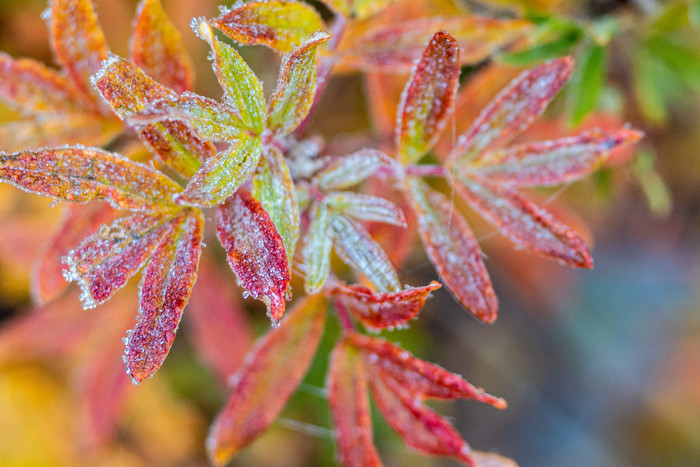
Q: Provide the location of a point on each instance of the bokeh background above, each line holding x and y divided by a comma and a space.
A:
599, 367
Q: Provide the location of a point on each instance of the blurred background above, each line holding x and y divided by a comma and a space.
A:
599, 367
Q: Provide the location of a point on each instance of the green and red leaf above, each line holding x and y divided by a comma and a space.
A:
551, 162
274, 187
242, 89
350, 170
78, 223
357, 249
453, 250
80, 174
255, 251
165, 289
428, 99
280, 25
222, 174
365, 207
77, 40
157, 48
513, 110
384, 310
526, 224
296, 86
421, 378
347, 396
104, 262
270, 374
317, 250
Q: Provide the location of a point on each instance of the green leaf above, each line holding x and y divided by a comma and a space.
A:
555, 48
317, 250
587, 82
655, 189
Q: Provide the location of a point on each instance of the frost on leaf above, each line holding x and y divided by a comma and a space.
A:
269, 375
242, 89
350, 170
222, 174
365, 207
428, 99
453, 250
77, 39
296, 86
280, 25
527, 225
81, 174
255, 251
384, 310
513, 110
347, 396
274, 187
357, 249
78, 223
104, 262
317, 250
157, 48
165, 289
128, 90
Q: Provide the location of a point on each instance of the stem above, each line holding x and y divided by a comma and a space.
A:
427, 170
344, 316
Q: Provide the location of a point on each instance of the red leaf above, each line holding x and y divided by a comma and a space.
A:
78, 222
422, 379
77, 40
419, 427
428, 98
157, 48
453, 250
347, 397
513, 110
220, 329
104, 262
81, 174
384, 310
551, 162
165, 289
255, 251
269, 376
490, 459
527, 225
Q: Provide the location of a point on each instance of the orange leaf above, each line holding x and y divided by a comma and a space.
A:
255, 251
270, 374
157, 48
453, 250
347, 396
164, 291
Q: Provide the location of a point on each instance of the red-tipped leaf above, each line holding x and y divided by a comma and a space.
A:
428, 98
270, 374
255, 251
165, 289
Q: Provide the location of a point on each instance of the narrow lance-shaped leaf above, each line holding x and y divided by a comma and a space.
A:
270, 374
527, 225
77, 39
384, 310
419, 427
424, 379
128, 90
33, 88
365, 207
551, 162
428, 99
157, 48
350, 170
278, 24
317, 250
347, 397
221, 175
242, 89
81, 174
513, 110
165, 289
105, 261
255, 251
453, 250
274, 187
587, 82
296, 86
78, 223
357, 249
